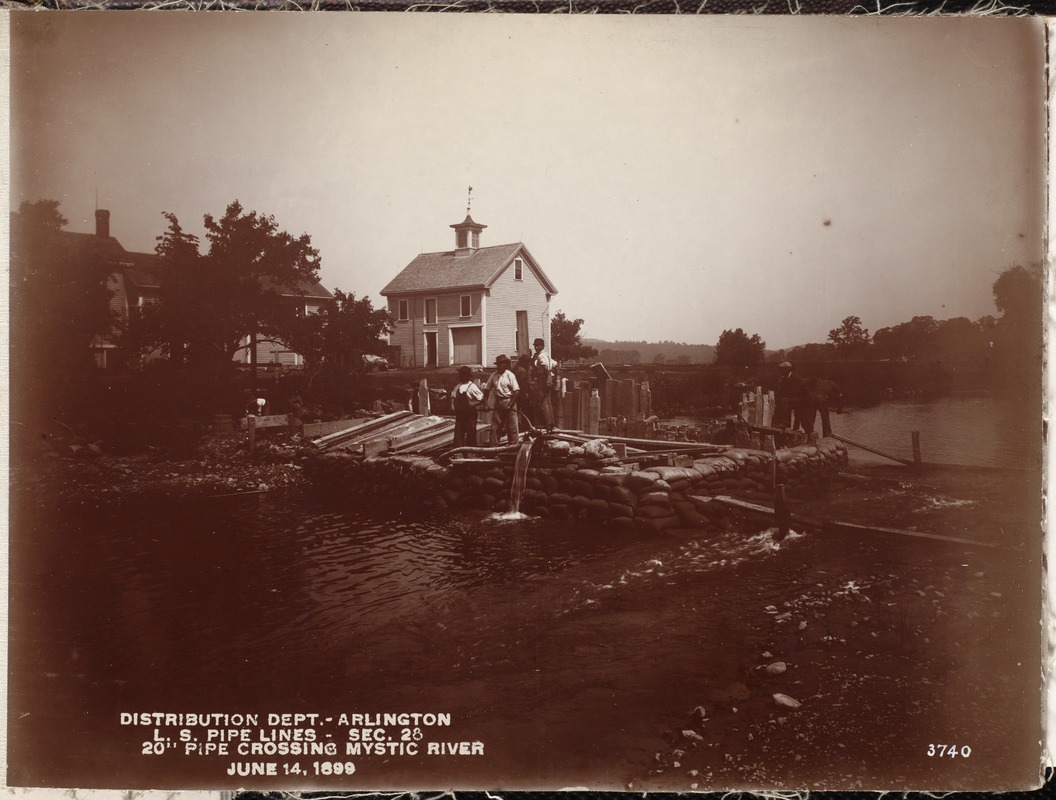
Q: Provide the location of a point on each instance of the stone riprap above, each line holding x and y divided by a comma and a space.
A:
655, 498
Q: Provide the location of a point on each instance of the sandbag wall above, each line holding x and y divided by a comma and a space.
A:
656, 498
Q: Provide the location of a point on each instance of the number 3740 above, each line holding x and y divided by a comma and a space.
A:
949, 751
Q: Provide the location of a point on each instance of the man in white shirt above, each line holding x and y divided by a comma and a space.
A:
466, 398
502, 390
542, 385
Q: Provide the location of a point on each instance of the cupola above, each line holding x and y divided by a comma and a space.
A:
467, 232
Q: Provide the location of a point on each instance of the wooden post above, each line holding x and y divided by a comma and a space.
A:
645, 399
292, 423
769, 445
759, 406
584, 405
423, 397
575, 419
251, 426
608, 398
626, 401
594, 413
916, 448
781, 511
768, 408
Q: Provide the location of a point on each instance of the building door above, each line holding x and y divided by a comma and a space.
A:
522, 333
466, 346
430, 348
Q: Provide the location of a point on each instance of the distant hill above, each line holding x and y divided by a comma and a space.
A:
627, 352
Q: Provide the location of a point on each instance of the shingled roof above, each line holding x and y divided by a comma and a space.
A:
445, 270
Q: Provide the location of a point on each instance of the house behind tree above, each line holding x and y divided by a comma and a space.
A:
134, 283
470, 304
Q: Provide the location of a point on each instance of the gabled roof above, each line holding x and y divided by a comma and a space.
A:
307, 289
143, 268
476, 270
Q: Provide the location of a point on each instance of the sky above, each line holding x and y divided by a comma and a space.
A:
674, 176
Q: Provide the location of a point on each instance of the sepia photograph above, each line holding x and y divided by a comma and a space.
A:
499, 402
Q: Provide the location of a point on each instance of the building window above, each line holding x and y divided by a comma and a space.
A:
476, 238
518, 270
465, 306
462, 238
430, 311
404, 312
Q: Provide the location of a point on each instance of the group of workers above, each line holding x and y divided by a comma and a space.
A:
512, 392
799, 401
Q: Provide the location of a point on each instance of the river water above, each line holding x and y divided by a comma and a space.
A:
972, 430
567, 649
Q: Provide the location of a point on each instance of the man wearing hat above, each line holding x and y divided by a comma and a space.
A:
789, 396
543, 381
502, 390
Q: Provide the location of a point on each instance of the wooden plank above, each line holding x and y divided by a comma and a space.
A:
270, 421
369, 425
850, 527
845, 440
317, 430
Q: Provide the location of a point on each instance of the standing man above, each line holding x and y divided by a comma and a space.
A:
523, 372
502, 390
466, 399
543, 380
825, 394
791, 390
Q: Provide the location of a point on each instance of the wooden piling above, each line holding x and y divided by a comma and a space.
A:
916, 448
608, 397
251, 427
423, 397
594, 411
781, 512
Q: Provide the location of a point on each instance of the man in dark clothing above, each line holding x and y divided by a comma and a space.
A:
823, 395
523, 371
791, 390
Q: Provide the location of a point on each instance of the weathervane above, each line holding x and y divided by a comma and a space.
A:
469, 200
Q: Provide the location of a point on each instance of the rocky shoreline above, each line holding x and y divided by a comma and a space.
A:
925, 645
223, 467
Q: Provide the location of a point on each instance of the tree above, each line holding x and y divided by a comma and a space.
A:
1018, 333
814, 351
566, 342
737, 349
213, 301
850, 339
60, 301
340, 334
909, 340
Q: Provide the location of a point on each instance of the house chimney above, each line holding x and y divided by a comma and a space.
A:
102, 223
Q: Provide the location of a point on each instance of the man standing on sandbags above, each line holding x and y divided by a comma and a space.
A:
543, 380
823, 395
791, 390
501, 391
